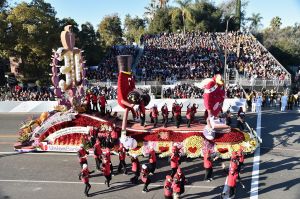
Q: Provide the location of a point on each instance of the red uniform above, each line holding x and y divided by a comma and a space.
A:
154, 112
177, 111
232, 177
82, 154
188, 113
152, 156
94, 99
106, 168
168, 188
145, 175
126, 84
114, 134
135, 165
85, 174
165, 111
122, 153
207, 161
102, 101
97, 150
174, 161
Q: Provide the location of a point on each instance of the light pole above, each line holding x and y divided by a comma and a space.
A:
225, 50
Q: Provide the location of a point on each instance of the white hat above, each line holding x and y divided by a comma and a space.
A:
84, 166
144, 166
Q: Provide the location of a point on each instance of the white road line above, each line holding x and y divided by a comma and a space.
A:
99, 183
256, 159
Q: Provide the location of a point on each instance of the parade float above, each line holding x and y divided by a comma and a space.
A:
69, 125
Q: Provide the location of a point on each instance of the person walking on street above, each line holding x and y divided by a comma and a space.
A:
106, 169
98, 154
188, 116
168, 189
178, 183
165, 114
84, 176
208, 166
82, 155
152, 161
122, 157
135, 168
145, 178
174, 160
154, 114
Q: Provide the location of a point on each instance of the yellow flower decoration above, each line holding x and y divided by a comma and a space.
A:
136, 152
192, 146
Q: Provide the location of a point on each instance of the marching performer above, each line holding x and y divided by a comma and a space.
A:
102, 103
154, 114
82, 155
165, 113
106, 169
145, 178
84, 176
178, 183
168, 189
208, 165
152, 160
135, 168
177, 113
122, 156
98, 154
174, 160
188, 116
231, 181
193, 112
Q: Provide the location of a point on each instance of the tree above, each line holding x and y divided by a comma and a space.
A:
89, 42
133, 28
276, 23
255, 20
185, 10
31, 34
3, 5
163, 3
238, 11
161, 21
110, 30
150, 11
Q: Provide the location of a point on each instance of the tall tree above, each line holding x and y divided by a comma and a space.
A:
133, 28
150, 10
255, 22
276, 23
90, 44
161, 21
32, 33
110, 30
185, 9
163, 3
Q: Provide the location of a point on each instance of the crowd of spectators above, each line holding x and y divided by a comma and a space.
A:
26, 94
252, 60
108, 68
168, 55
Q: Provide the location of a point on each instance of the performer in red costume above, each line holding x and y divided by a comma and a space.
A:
168, 191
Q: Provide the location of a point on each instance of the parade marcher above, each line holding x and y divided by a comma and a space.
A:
107, 172
152, 161
154, 114
165, 113
135, 168
142, 112
241, 159
88, 102
145, 178
173, 110
234, 161
82, 155
122, 156
102, 103
231, 181
168, 189
107, 155
114, 135
174, 160
193, 112
94, 102
93, 135
208, 165
84, 176
108, 140
188, 116
178, 183
177, 114
98, 154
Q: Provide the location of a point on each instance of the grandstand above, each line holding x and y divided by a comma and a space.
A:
176, 58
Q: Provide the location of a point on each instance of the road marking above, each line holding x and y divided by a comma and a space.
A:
100, 183
8, 136
256, 159
281, 149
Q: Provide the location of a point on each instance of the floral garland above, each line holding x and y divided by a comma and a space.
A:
193, 146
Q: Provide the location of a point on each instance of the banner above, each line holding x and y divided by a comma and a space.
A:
66, 131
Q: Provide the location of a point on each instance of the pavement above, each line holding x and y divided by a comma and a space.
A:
55, 175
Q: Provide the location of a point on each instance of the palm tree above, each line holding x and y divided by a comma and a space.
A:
255, 22
276, 23
151, 10
184, 7
162, 3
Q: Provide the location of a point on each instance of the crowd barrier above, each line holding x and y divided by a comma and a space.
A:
42, 106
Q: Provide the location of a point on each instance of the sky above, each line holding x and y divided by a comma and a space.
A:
94, 10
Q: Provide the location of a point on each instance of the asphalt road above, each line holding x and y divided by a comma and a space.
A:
55, 175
